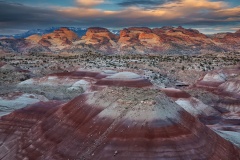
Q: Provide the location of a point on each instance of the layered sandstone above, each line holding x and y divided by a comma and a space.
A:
100, 39
57, 40
146, 40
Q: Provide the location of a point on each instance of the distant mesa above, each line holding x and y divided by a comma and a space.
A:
139, 40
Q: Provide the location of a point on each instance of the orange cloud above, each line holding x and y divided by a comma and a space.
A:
89, 3
165, 11
228, 12
186, 11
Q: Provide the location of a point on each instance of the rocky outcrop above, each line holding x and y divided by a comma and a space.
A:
100, 39
45, 43
139, 39
34, 38
61, 34
60, 37
113, 123
55, 41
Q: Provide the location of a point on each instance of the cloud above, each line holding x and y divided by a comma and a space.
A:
184, 12
16, 18
193, 13
146, 3
89, 3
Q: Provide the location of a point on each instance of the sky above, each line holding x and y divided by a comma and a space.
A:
208, 16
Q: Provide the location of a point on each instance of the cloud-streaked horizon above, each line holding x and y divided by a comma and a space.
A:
206, 15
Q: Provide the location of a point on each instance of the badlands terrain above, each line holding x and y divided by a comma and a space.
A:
166, 93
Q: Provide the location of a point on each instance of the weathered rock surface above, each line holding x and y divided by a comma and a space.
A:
16, 100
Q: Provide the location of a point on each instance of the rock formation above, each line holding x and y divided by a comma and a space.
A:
130, 40
194, 106
87, 79
224, 84
113, 123
145, 40
100, 39
59, 38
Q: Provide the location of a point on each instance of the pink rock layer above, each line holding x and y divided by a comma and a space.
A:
176, 93
206, 114
80, 74
139, 83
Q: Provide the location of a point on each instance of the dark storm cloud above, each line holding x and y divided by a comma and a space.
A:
21, 16
152, 3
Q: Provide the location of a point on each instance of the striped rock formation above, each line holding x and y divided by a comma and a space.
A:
90, 79
194, 106
225, 84
217, 77
112, 123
